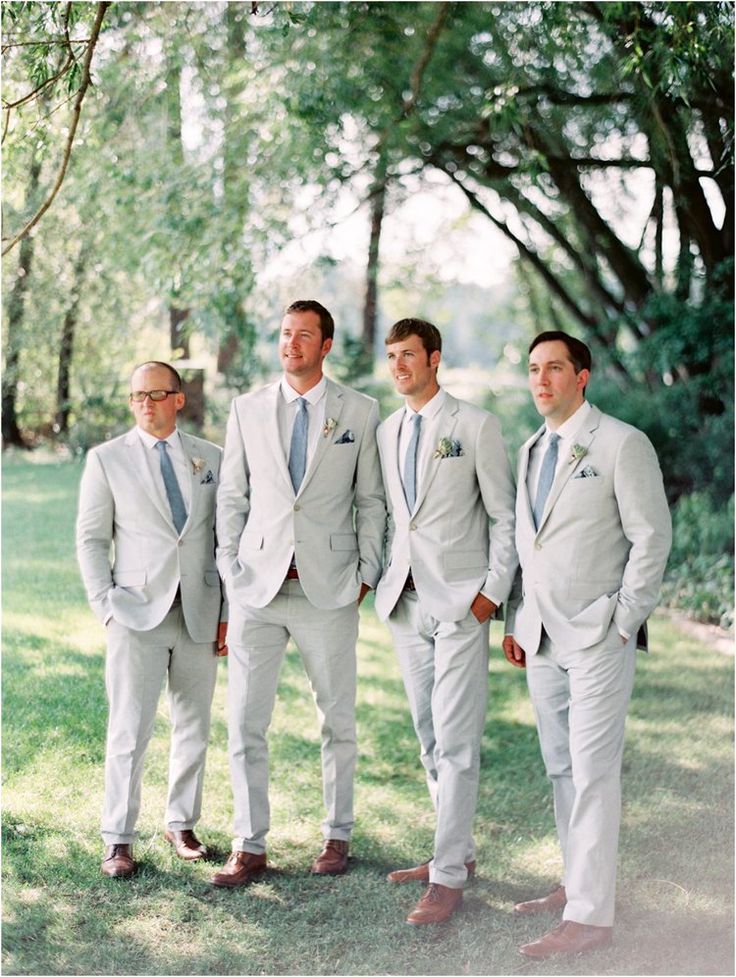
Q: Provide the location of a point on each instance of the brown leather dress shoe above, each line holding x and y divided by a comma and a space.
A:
568, 937
420, 873
437, 904
118, 862
186, 844
332, 860
242, 867
554, 902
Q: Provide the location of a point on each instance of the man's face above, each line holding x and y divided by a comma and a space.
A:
301, 348
412, 369
155, 417
556, 388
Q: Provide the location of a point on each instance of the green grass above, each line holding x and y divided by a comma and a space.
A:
62, 917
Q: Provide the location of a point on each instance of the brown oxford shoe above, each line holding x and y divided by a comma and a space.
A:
242, 867
554, 902
332, 860
437, 904
118, 862
568, 937
420, 873
186, 845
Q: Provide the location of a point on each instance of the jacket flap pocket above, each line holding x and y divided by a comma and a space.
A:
212, 578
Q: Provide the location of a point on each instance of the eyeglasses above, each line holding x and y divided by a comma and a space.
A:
139, 396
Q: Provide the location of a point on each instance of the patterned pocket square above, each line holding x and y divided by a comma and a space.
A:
347, 437
208, 479
587, 472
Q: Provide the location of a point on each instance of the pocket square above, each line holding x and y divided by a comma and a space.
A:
587, 472
347, 437
208, 479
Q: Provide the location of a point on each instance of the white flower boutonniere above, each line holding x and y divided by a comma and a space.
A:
448, 448
576, 453
330, 425
197, 465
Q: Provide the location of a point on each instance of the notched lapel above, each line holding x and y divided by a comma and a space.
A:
446, 428
334, 404
567, 468
140, 467
271, 433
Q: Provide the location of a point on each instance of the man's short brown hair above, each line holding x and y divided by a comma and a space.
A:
429, 334
326, 322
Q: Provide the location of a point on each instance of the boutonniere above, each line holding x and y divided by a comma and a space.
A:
448, 448
576, 453
197, 465
330, 425
347, 437
208, 478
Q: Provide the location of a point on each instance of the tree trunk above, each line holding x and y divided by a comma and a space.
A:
11, 433
66, 348
370, 308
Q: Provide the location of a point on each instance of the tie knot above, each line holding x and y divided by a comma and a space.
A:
553, 439
417, 421
302, 404
162, 445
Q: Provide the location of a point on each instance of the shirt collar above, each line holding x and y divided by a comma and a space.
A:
569, 428
431, 408
150, 440
312, 396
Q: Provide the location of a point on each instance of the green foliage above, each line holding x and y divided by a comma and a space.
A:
700, 577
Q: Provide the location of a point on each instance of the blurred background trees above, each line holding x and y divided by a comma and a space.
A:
500, 168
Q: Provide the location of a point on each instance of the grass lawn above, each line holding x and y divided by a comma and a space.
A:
61, 916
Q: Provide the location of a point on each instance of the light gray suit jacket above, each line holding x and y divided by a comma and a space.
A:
335, 525
130, 555
601, 549
459, 539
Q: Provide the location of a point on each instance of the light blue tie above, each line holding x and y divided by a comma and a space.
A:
298, 449
546, 477
410, 465
173, 492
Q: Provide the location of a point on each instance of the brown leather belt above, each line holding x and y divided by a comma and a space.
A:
409, 582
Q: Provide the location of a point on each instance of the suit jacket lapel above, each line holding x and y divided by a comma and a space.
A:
394, 484
333, 408
524, 456
190, 450
568, 466
139, 465
448, 420
272, 433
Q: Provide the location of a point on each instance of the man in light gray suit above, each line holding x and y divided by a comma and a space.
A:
593, 534
450, 562
146, 550
301, 521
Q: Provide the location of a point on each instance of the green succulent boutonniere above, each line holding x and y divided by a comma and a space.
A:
576, 453
448, 448
330, 425
197, 465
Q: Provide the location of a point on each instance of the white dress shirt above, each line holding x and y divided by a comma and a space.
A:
182, 464
567, 432
429, 435
287, 411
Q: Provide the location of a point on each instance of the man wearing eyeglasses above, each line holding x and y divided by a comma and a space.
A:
146, 550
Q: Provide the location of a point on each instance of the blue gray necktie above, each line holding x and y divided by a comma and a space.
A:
173, 492
298, 449
410, 465
546, 477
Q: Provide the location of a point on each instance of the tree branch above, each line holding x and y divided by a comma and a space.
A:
76, 112
421, 66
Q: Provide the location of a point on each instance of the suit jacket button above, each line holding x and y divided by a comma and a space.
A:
297, 508
537, 546
413, 526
